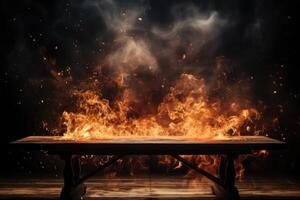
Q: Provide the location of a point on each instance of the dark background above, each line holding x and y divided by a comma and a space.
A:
31, 30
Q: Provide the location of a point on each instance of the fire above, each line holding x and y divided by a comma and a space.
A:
184, 111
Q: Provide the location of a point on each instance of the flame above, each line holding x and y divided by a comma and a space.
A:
185, 111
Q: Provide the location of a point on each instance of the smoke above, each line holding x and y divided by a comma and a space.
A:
131, 54
139, 41
137, 50
118, 17
132, 48
192, 33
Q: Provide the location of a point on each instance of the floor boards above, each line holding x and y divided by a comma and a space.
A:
151, 188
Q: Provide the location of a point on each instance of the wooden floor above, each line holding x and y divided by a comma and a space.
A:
150, 188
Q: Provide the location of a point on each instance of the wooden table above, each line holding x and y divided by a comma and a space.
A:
227, 148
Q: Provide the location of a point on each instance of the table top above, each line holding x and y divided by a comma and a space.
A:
149, 145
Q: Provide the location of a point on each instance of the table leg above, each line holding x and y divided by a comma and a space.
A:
222, 168
70, 190
227, 176
229, 180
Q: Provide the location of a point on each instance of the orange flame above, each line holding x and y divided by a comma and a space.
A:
185, 111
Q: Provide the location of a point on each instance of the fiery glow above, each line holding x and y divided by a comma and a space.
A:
133, 92
184, 111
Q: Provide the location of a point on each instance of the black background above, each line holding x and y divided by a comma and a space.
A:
271, 53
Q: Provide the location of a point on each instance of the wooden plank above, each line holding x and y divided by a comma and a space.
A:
140, 139
149, 145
